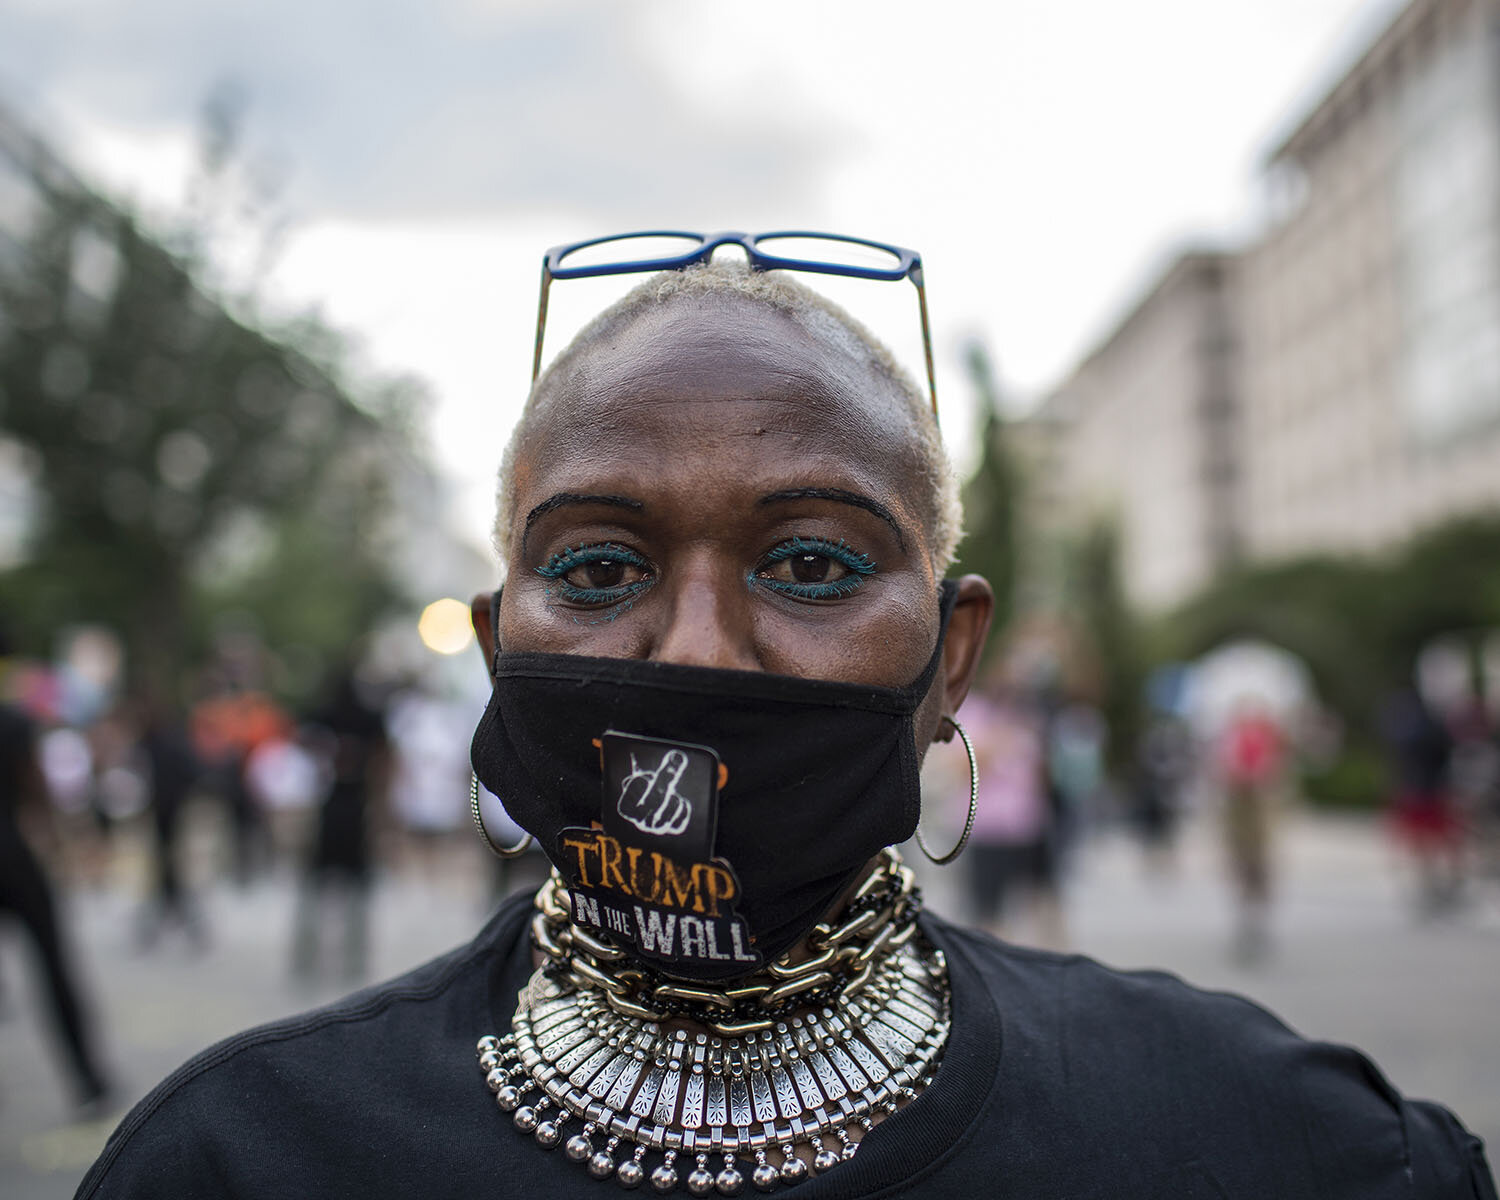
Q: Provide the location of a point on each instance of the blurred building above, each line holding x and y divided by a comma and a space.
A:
1372, 305
1334, 385
1144, 432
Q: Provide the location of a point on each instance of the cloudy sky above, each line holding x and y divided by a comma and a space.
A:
1043, 155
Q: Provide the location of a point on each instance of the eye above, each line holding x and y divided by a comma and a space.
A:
603, 573
807, 567
597, 575
813, 569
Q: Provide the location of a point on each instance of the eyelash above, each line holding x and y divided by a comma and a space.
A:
858, 565
557, 567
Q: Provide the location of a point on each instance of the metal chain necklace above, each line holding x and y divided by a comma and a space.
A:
755, 1089
878, 917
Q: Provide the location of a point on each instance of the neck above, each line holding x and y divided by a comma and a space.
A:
872, 917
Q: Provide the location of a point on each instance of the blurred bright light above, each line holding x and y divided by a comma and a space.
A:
445, 626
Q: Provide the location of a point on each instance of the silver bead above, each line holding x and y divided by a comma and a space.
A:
630, 1173
496, 1079
664, 1178
764, 1177
730, 1182
487, 1042
525, 1118
507, 1098
547, 1135
700, 1181
490, 1059
794, 1170
848, 1151
601, 1166
825, 1160
578, 1148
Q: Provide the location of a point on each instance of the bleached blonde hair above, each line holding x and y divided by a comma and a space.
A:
942, 511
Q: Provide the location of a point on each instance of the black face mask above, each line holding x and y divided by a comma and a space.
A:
704, 819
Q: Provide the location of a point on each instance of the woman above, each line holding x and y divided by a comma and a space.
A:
723, 643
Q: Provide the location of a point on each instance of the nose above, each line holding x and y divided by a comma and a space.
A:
707, 621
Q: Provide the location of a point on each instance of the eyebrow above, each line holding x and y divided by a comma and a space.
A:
562, 499
839, 495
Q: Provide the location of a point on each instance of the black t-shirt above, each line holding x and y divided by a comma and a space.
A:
1062, 1078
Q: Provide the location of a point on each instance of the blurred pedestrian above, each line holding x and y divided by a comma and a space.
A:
352, 731
429, 774
1012, 850
173, 770
1250, 764
1163, 761
228, 725
1075, 735
26, 894
1474, 782
1422, 813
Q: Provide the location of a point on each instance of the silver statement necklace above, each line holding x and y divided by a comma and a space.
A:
644, 1097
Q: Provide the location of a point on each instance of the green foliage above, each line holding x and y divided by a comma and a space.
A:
1358, 622
1356, 779
161, 428
305, 596
1095, 595
1328, 611
1446, 580
991, 499
1091, 591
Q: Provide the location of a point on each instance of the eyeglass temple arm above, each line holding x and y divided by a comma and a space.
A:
541, 323
916, 278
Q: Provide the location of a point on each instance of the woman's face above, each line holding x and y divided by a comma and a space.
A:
716, 487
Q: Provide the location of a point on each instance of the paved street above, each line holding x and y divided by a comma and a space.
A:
1351, 963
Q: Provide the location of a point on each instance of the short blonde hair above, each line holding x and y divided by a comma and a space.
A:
814, 312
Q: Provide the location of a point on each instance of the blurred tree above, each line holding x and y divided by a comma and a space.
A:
1331, 612
1090, 593
1095, 594
175, 449
1445, 580
991, 499
1358, 622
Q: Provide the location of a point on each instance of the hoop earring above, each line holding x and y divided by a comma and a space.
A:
505, 852
963, 838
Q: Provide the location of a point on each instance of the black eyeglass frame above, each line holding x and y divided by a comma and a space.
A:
908, 266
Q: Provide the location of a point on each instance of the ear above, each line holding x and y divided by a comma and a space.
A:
967, 629
480, 609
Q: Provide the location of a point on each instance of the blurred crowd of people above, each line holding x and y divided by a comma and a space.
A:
237, 787
234, 787
1228, 746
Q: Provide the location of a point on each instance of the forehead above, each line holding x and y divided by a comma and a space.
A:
702, 374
